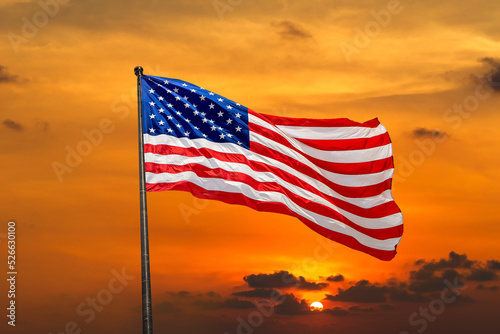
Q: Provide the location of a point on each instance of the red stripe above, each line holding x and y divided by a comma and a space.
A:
234, 198
311, 122
347, 144
218, 173
369, 167
351, 192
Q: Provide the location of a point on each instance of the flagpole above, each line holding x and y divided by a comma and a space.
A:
147, 312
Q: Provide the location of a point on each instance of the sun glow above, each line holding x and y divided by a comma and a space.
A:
316, 306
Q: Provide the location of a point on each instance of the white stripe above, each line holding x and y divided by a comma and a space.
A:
179, 160
211, 184
384, 197
329, 133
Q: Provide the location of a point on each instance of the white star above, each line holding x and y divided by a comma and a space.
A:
170, 130
213, 128
202, 97
193, 90
178, 125
222, 136
229, 135
238, 115
188, 120
229, 107
203, 114
186, 105
211, 120
210, 93
169, 117
170, 105
229, 121
179, 113
160, 98
185, 97
220, 114
161, 122
184, 84
152, 130
211, 105
151, 91
205, 120
176, 90
186, 133
239, 143
204, 135
152, 116
196, 112
196, 128
195, 106
169, 91
161, 110
151, 103
238, 129
238, 104
177, 98
166, 82
220, 99
220, 129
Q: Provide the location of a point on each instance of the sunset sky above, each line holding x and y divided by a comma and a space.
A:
430, 72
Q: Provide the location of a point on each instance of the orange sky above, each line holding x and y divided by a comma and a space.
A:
66, 68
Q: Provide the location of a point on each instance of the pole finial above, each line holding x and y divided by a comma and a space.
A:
138, 70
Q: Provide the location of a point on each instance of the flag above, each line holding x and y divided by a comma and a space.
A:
333, 174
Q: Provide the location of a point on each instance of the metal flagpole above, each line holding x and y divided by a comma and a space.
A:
147, 314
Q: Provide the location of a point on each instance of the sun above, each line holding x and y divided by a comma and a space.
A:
316, 306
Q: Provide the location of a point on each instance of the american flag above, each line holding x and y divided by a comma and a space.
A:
333, 174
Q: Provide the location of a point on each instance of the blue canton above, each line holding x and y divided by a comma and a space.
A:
181, 109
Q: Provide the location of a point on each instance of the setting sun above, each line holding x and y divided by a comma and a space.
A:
316, 306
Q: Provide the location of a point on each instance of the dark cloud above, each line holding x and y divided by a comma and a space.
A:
399, 295
336, 278
12, 125
428, 133
289, 30
362, 292
483, 287
5, 76
213, 294
493, 264
481, 275
259, 293
434, 283
454, 261
228, 303
493, 75
337, 311
181, 294
357, 308
282, 279
292, 306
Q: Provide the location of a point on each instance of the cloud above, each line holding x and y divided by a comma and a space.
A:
428, 133
289, 30
434, 283
259, 293
491, 288
228, 303
454, 261
282, 279
362, 292
292, 306
357, 308
481, 275
12, 125
493, 264
6, 77
336, 278
181, 294
399, 295
337, 311
493, 75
